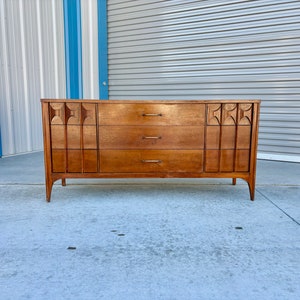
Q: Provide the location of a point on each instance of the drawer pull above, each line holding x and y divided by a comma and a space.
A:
152, 137
151, 161
151, 115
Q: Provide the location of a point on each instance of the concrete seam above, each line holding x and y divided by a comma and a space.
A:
289, 216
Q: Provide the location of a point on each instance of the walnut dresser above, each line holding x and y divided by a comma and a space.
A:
150, 139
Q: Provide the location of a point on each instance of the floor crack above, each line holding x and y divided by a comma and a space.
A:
289, 216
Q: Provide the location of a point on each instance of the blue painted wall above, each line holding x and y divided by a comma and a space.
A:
73, 48
102, 49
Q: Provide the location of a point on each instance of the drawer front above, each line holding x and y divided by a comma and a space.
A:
153, 161
151, 114
151, 137
74, 161
227, 160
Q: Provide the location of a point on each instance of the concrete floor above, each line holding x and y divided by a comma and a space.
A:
149, 239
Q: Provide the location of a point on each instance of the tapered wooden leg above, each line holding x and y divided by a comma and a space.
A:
63, 181
233, 181
251, 185
49, 185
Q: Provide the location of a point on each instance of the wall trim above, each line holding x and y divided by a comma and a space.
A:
73, 48
102, 49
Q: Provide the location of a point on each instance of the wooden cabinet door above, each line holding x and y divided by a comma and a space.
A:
73, 130
228, 137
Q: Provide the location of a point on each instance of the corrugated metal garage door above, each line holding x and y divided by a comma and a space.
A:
32, 66
212, 50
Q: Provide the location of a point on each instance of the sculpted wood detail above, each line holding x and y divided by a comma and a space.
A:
129, 138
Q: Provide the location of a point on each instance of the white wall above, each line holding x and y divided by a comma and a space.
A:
32, 67
89, 25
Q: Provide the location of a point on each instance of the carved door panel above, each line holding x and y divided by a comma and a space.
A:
73, 137
228, 136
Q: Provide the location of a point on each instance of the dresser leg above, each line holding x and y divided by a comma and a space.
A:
49, 185
251, 185
63, 181
233, 181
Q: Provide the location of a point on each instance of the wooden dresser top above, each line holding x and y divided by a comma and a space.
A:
152, 101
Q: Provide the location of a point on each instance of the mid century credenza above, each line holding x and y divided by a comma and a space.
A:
150, 139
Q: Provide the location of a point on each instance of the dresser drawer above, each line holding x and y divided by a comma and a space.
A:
151, 114
151, 137
145, 161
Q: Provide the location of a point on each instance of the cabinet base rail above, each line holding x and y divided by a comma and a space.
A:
55, 177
